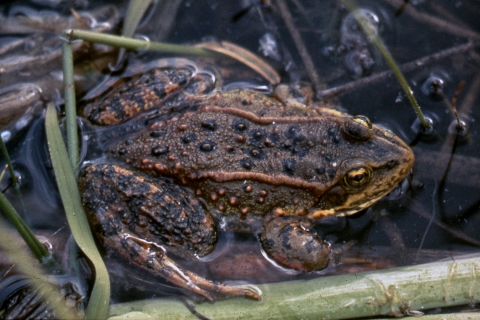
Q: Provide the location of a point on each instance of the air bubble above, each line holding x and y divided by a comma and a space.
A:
461, 129
434, 87
6, 135
417, 127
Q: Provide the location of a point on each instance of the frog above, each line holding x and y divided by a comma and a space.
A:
208, 160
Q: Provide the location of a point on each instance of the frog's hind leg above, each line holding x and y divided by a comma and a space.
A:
153, 257
140, 220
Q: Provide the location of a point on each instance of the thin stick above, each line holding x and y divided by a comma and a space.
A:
378, 43
302, 50
382, 76
439, 24
454, 102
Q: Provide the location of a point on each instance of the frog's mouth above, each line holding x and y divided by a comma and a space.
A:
317, 213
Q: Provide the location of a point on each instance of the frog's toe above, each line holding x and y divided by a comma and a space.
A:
291, 244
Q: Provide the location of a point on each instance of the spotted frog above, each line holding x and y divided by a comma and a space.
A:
238, 160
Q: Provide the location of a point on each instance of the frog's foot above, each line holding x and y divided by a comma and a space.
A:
152, 256
292, 243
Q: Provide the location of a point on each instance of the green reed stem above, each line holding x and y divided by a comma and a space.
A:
378, 43
38, 249
70, 103
135, 44
394, 292
24, 264
13, 176
9, 163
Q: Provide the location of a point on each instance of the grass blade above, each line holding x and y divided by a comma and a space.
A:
135, 11
77, 219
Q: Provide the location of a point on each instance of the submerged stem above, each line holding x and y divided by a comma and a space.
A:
378, 43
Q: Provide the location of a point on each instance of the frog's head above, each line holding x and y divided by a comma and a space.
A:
375, 162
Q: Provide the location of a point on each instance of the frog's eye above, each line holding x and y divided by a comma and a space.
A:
358, 177
358, 128
363, 120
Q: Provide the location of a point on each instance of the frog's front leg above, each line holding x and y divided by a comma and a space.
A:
136, 219
292, 243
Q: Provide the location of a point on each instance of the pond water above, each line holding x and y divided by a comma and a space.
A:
433, 216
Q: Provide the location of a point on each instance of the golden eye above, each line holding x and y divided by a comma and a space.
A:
357, 177
363, 120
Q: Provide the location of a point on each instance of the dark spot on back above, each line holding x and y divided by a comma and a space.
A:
257, 153
159, 150
207, 146
158, 134
159, 91
257, 136
289, 166
247, 163
293, 131
209, 125
189, 138
240, 125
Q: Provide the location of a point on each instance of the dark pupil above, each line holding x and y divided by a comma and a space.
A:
357, 177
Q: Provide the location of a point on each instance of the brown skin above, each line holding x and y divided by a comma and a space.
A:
255, 162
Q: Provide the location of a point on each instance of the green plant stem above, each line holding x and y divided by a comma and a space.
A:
9, 163
378, 43
396, 292
36, 246
24, 264
70, 103
135, 44
13, 176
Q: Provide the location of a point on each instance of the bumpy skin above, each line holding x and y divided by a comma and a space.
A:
249, 157
131, 202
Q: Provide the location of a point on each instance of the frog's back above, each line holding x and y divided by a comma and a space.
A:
248, 153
